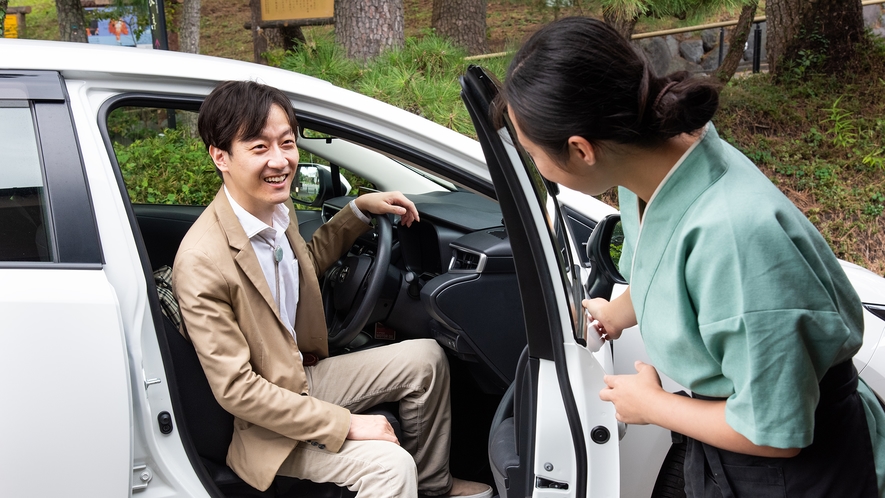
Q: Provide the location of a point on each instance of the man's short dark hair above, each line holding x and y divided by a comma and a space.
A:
238, 110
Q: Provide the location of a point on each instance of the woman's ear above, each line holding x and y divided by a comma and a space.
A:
579, 148
219, 157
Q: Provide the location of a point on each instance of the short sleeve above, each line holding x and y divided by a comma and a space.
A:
768, 311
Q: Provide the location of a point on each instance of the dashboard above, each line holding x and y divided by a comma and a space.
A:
452, 278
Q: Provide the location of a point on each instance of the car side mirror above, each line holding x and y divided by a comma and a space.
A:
313, 185
604, 251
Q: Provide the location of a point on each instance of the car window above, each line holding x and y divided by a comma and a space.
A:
23, 207
552, 208
161, 156
163, 160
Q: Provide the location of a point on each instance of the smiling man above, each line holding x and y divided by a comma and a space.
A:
248, 288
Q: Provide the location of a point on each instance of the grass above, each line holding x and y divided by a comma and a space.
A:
820, 139
422, 77
42, 22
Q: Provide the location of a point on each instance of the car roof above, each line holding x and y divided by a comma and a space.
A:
125, 69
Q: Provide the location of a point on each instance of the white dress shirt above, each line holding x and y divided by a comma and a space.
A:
269, 242
281, 273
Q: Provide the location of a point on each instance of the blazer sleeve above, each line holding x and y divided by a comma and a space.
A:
205, 297
334, 238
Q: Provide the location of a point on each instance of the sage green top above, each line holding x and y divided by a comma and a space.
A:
738, 295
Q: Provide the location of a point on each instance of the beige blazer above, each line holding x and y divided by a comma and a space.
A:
250, 358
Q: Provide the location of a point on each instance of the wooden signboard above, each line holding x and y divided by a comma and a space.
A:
10, 27
283, 10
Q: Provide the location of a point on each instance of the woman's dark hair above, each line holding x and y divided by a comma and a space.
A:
578, 76
238, 110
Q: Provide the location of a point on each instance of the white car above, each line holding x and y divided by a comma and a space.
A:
97, 379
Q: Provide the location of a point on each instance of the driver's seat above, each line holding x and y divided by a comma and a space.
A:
203, 423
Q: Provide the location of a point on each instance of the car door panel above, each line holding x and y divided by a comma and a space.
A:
64, 375
65, 384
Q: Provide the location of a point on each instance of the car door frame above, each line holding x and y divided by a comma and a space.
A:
550, 326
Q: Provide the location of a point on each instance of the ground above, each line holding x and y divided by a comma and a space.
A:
822, 143
509, 21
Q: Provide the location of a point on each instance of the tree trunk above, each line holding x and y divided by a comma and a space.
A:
817, 34
189, 38
463, 22
738, 39
259, 41
71, 21
366, 27
4, 4
620, 21
287, 37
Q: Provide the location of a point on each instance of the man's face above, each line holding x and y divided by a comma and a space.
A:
258, 173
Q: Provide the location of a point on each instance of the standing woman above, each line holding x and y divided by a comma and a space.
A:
737, 295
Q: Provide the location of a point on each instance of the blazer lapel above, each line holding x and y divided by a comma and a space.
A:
245, 256
310, 318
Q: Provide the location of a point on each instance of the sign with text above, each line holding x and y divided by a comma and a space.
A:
10, 26
285, 10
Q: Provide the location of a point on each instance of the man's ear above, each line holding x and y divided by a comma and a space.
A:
219, 157
579, 148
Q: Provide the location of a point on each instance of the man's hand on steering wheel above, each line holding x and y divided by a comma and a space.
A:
389, 203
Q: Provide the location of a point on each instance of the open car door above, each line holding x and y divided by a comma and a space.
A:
552, 435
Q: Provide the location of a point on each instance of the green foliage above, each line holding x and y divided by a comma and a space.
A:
842, 127
811, 57
323, 59
422, 77
168, 168
692, 11
821, 139
42, 22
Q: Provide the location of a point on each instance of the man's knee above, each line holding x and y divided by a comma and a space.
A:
397, 468
427, 354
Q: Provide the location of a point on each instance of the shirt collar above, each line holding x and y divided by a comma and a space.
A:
252, 225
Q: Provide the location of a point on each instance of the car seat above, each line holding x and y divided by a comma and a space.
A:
208, 427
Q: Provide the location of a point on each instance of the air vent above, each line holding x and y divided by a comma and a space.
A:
464, 261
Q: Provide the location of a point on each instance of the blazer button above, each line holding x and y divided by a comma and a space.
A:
322, 446
314, 443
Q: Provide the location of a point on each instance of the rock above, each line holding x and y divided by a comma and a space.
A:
710, 62
673, 44
872, 16
692, 50
658, 54
879, 32
710, 37
680, 64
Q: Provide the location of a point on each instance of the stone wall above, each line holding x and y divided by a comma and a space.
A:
698, 52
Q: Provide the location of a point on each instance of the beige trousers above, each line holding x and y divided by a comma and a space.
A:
416, 374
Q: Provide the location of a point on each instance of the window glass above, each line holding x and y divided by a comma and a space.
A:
161, 156
23, 228
549, 204
163, 160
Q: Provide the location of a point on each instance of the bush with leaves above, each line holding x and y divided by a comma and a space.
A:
168, 168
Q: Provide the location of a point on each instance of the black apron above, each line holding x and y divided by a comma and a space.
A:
839, 461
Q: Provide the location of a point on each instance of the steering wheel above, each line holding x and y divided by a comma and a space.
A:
353, 286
